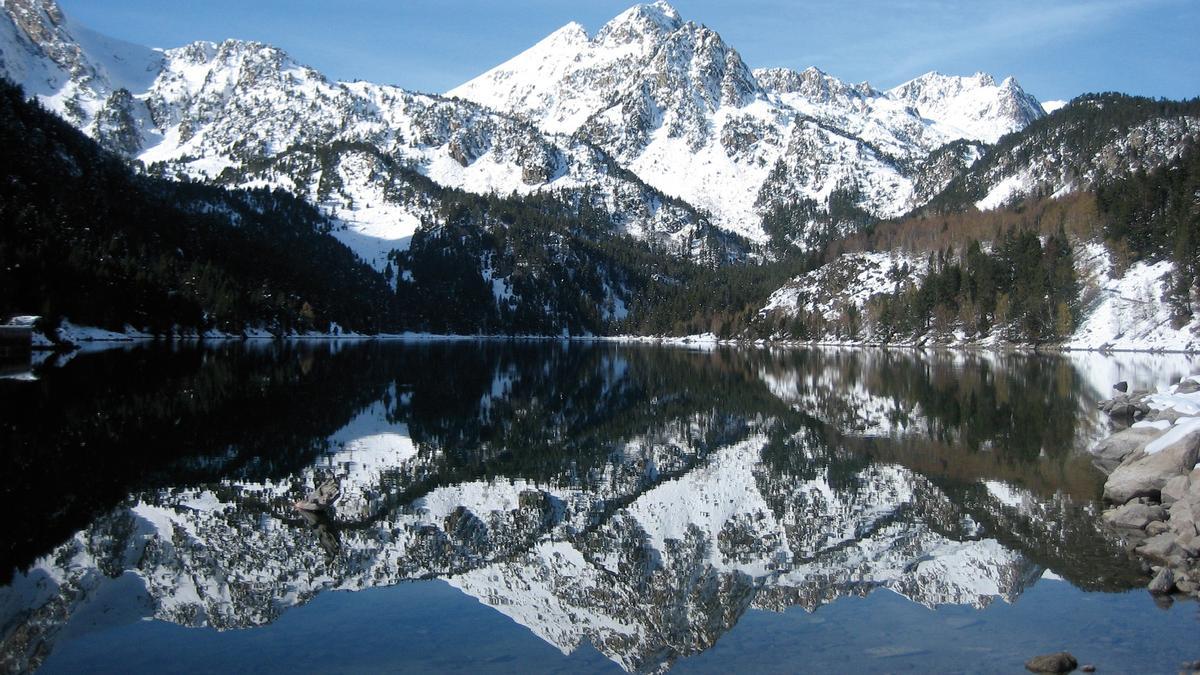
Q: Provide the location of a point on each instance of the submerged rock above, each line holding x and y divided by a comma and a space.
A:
1062, 662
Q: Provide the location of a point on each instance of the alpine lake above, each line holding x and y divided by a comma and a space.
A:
519, 507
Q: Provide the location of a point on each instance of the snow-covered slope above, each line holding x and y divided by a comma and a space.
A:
1093, 140
675, 103
970, 107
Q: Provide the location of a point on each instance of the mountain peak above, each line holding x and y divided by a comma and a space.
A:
572, 33
640, 22
971, 106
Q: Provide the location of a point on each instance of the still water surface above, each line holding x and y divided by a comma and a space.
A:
568, 507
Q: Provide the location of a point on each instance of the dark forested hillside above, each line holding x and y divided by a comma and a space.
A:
86, 238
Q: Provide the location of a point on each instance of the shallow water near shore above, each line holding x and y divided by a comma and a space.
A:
569, 507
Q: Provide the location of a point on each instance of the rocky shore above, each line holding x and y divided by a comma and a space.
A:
1153, 486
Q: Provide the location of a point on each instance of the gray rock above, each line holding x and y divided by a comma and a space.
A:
1142, 475
1188, 386
1161, 548
1169, 415
1185, 516
1121, 386
1174, 490
1109, 453
1061, 662
1188, 542
1134, 515
1157, 527
1163, 582
1120, 409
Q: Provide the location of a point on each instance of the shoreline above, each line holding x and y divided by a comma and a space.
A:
1152, 490
72, 342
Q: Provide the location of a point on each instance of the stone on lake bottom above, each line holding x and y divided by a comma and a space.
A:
1062, 662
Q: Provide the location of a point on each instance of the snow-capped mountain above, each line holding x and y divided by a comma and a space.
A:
650, 103
246, 114
677, 105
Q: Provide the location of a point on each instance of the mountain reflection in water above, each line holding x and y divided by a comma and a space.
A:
639, 499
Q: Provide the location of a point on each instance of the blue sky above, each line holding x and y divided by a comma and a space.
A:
1055, 48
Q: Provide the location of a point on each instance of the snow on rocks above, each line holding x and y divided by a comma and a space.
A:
1155, 485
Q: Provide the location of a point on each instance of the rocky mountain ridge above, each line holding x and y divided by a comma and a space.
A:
237, 112
667, 101
675, 103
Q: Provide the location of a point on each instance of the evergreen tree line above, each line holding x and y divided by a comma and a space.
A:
1155, 216
1021, 290
552, 263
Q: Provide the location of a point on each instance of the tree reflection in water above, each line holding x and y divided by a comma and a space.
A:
637, 498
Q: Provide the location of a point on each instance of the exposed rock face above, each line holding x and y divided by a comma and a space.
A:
117, 127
